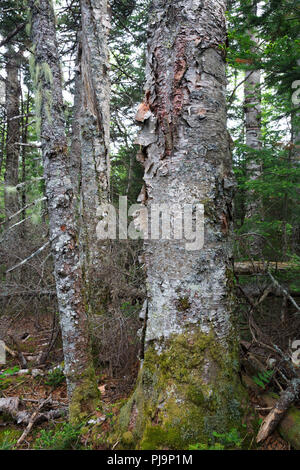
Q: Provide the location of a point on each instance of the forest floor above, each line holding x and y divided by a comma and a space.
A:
35, 384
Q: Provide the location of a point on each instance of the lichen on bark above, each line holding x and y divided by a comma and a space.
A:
81, 382
188, 384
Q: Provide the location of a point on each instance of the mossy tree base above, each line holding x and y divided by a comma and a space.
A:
85, 398
184, 393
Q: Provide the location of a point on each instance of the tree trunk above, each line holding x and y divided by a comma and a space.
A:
252, 106
75, 161
82, 389
95, 121
13, 94
188, 385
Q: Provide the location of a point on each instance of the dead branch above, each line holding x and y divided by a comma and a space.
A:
29, 258
23, 209
283, 290
260, 267
278, 412
32, 420
10, 351
10, 406
13, 33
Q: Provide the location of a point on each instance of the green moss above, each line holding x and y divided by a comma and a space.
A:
127, 438
85, 397
185, 393
183, 304
47, 73
290, 427
32, 65
8, 438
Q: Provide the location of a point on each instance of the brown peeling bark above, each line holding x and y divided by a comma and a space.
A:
186, 157
94, 122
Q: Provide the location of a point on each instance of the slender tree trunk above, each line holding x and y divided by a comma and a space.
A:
79, 370
296, 133
13, 93
252, 106
95, 121
75, 161
188, 385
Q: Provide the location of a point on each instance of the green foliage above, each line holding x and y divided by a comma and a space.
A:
8, 440
263, 378
65, 438
229, 440
9, 372
198, 446
55, 377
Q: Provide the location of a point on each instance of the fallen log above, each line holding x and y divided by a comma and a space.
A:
10, 407
32, 420
279, 410
261, 267
289, 427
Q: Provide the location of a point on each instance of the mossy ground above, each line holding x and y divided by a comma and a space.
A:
85, 398
184, 394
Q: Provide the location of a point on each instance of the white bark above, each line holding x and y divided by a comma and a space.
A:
59, 193
95, 121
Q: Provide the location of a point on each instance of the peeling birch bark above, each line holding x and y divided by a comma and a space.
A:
94, 121
188, 385
252, 106
75, 160
81, 383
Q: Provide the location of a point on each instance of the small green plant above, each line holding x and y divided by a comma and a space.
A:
7, 442
8, 372
198, 446
263, 378
231, 439
55, 377
66, 438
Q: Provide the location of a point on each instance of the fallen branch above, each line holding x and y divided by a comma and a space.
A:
260, 267
32, 420
287, 398
13, 33
10, 406
283, 290
10, 351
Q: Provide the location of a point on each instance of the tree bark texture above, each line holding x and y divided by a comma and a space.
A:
252, 106
95, 121
79, 371
188, 385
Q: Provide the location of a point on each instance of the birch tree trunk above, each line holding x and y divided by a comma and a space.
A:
12, 103
252, 106
188, 384
75, 160
82, 389
95, 121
